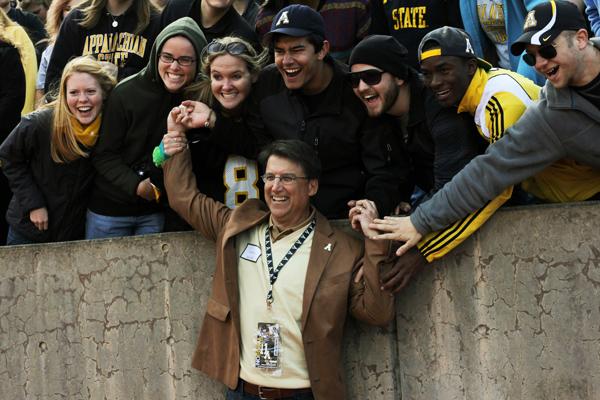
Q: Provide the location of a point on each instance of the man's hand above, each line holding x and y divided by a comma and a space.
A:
196, 115
39, 217
403, 270
362, 213
174, 142
145, 190
397, 228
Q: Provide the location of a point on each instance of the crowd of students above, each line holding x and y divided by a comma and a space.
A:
417, 122
83, 160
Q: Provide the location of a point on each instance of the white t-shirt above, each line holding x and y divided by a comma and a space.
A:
491, 19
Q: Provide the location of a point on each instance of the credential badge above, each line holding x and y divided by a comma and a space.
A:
283, 19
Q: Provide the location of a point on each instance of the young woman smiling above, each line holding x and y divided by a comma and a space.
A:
126, 199
230, 66
45, 158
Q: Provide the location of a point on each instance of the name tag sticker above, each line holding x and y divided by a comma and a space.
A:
251, 253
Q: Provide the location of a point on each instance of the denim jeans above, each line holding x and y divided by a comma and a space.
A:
14, 238
103, 226
238, 394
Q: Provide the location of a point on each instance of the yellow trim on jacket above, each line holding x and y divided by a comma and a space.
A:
17, 36
496, 99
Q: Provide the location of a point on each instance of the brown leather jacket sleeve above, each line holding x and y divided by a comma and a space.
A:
368, 303
204, 214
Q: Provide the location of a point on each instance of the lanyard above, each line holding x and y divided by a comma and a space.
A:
274, 272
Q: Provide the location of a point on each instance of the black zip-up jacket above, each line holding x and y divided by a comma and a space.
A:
117, 45
361, 157
37, 181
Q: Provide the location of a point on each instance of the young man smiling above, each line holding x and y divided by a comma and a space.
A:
495, 99
561, 128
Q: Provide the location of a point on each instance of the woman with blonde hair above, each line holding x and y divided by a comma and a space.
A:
15, 35
121, 32
45, 158
56, 14
230, 66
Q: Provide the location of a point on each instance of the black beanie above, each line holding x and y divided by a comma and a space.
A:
383, 52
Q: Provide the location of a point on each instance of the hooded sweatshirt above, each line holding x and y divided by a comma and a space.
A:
135, 120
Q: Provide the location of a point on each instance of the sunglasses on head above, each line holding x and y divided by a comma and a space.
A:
370, 77
235, 48
548, 52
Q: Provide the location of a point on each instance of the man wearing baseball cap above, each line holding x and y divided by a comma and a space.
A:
556, 140
495, 98
305, 95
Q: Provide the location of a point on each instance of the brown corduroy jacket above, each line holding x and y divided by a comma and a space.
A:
329, 289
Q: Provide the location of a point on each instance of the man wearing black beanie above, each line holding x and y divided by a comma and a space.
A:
390, 88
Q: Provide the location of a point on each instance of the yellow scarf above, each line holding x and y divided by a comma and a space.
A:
86, 136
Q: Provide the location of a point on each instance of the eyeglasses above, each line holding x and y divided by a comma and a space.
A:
184, 61
235, 48
285, 179
370, 77
548, 52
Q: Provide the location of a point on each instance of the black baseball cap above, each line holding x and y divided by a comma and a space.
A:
449, 41
546, 21
297, 20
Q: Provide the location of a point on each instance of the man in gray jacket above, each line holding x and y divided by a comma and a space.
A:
564, 123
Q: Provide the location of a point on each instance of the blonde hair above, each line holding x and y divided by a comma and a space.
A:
201, 90
55, 17
4, 23
64, 147
93, 10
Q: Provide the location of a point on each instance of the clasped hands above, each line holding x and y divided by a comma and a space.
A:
363, 217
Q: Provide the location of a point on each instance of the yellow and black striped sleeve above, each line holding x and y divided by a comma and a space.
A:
502, 110
437, 244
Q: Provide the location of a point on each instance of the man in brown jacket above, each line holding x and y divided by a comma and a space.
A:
284, 280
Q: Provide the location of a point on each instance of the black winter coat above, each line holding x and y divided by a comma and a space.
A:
37, 181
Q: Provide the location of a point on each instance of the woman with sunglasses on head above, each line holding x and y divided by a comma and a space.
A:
230, 66
45, 158
127, 198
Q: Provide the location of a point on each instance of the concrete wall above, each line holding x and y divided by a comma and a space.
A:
511, 314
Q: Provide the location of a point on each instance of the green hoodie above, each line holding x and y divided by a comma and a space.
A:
134, 122
186, 27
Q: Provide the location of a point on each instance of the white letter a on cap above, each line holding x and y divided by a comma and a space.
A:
469, 48
283, 19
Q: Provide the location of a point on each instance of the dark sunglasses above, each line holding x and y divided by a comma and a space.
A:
370, 77
235, 49
548, 52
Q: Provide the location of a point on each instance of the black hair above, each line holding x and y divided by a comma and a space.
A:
315, 40
293, 150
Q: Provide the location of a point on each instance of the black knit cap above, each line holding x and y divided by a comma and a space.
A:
383, 52
546, 21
